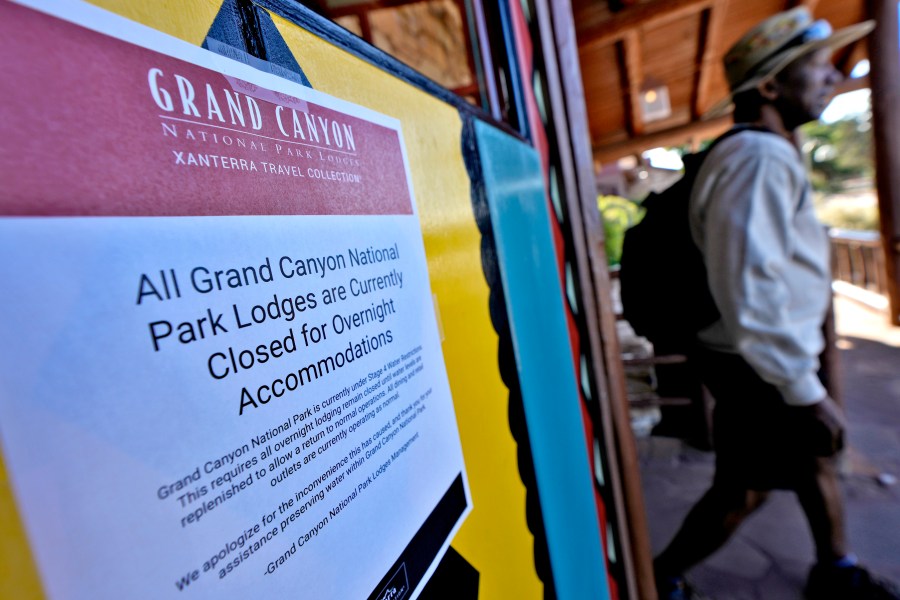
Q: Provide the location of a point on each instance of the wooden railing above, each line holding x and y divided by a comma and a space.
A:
857, 257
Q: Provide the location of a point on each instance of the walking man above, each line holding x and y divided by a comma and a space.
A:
767, 259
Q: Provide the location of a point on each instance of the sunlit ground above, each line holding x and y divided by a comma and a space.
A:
856, 320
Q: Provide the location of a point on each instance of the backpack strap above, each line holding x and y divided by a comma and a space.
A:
738, 128
692, 162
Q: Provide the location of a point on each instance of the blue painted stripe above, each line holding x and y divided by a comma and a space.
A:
534, 301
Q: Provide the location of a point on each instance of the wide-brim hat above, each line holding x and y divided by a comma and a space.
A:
768, 48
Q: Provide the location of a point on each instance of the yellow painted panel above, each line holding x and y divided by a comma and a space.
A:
18, 574
189, 20
494, 538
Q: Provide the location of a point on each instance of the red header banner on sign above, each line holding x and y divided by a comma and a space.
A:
112, 128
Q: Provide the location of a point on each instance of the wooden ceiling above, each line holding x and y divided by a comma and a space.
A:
626, 46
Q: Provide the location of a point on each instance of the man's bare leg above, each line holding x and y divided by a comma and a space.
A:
707, 527
823, 504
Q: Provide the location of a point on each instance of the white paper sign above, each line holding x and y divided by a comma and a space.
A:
250, 402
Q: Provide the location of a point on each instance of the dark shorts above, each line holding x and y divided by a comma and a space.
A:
756, 435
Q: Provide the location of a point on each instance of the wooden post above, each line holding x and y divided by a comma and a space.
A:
885, 76
570, 116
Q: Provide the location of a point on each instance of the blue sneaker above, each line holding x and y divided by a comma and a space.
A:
676, 588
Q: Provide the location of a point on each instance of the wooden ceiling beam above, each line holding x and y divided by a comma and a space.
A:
632, 70
668, 137
850, 56
362, 7
711, 32
676, 136
810, 4
651, 13
617, 5
852, 85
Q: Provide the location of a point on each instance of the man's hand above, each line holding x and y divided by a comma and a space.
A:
822, 425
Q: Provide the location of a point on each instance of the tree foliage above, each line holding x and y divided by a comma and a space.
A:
839, 152
618, 215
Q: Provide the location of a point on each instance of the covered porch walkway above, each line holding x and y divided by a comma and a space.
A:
770, 556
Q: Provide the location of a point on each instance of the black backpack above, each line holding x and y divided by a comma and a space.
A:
665, 293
